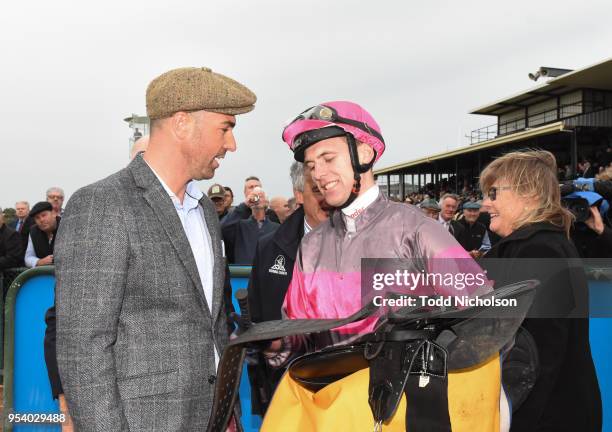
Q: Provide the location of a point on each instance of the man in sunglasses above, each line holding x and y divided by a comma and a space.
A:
339, 142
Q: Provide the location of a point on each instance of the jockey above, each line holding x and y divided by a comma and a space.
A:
339, 142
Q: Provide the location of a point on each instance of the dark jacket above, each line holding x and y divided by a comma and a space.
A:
271, 214
273, 268
24, 230
270, 278
223, 215
42, 246
604, 188
590, 244
455, 228
566, 394
471, 236
11, 248
240, 235
485, 219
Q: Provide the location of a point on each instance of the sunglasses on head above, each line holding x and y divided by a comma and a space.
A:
492, 192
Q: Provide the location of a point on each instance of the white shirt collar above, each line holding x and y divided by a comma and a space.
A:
307, 227
361, 202
442, 221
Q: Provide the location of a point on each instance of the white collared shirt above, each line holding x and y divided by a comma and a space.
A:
192, 219
352, 211
443, 222
307, 227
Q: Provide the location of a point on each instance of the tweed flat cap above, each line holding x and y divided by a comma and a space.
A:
195, 89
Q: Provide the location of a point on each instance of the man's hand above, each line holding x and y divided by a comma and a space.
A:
252, 200
595, 222
48, 260
63, 406
256, 199
475, 254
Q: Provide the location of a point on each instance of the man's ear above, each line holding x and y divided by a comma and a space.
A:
299, 196
181, 125
365, 153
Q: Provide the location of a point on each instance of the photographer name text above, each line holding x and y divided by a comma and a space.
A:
446, 301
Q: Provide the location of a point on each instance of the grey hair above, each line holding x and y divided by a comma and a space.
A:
449, 195
55, 189
23, 202
297, 176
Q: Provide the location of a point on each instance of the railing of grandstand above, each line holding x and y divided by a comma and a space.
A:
483, 134
533, 119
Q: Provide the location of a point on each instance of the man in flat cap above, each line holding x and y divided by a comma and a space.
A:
140, 273
473, 237
41, 241
430, 207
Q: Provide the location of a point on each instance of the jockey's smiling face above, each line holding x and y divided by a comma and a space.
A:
329, 164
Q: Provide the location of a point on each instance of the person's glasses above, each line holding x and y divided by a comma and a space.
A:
492, 192
57, 197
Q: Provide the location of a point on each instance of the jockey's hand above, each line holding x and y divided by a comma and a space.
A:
274, 347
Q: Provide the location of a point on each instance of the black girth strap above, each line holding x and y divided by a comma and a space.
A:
427, 391
427, 408
416, 368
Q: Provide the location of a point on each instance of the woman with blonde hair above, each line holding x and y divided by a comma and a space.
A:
522, 193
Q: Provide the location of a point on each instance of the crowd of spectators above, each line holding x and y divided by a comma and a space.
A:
468, 220
588, 166
27, 235
257, 215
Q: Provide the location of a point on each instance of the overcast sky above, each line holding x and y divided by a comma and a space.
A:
72, 70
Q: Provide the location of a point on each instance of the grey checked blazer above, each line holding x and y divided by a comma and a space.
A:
135, 336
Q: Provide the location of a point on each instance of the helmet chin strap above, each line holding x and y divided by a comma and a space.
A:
358, 169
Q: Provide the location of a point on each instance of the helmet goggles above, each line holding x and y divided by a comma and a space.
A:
330, 115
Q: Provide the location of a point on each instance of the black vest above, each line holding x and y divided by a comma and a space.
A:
40, 241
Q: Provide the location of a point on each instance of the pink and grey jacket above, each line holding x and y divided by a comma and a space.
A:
326, 280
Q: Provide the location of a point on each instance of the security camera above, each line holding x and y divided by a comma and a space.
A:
549, 72
535, 76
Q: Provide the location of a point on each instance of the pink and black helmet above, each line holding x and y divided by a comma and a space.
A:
345, 115
336, 119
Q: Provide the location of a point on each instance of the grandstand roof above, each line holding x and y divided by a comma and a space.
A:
518, 136
597, 76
